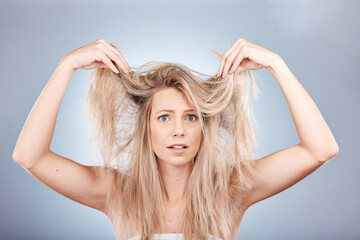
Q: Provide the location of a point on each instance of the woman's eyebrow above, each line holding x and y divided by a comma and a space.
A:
172, 111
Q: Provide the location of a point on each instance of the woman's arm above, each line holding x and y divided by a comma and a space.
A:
37, 133
32, 151
282, 169
314, 134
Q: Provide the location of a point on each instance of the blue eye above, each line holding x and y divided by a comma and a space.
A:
194, 117
162, 117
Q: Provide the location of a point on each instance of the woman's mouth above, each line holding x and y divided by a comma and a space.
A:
178, 148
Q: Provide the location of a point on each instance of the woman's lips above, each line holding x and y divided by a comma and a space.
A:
180, 150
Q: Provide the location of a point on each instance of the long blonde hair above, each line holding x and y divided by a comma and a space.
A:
119, 107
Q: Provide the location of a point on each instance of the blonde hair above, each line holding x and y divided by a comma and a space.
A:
119, 107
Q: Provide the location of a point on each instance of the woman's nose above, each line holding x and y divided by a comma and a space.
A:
179, 130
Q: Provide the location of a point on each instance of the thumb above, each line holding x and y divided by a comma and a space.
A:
240, 69
96, 64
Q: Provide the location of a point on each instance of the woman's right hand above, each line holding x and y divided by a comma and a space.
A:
98, 54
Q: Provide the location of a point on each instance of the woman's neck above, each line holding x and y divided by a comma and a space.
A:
175, 179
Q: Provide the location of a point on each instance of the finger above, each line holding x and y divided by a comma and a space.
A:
225, 55
105, 59
230, 59
119, 54
122, 59
114, 57
237, 61
104, 55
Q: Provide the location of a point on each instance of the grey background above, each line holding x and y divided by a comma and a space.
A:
317, 39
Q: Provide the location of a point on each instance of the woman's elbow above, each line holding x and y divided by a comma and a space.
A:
330, 153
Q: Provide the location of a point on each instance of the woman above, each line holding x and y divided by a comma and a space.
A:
188, 142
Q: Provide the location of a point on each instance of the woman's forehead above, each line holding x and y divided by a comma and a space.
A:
170, 99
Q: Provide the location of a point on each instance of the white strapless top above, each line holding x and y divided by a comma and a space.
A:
172, 236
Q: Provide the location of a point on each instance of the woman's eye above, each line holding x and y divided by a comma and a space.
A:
162, 118
192, 118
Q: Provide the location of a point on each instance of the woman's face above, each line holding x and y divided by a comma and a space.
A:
173, 121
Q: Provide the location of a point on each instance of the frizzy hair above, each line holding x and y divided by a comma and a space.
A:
119, 109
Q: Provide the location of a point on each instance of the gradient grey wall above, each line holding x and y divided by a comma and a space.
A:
317, 39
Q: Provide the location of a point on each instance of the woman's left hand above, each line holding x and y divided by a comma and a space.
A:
244, 55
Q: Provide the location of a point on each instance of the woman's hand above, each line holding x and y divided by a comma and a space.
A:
98, 54
244, 55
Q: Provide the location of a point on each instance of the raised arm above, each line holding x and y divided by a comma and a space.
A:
282, 169
32, 151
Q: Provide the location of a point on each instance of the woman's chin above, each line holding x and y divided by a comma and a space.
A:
177, 161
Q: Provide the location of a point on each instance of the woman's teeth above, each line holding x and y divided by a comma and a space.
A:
177, 147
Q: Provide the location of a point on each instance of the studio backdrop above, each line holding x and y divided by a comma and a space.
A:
318, 40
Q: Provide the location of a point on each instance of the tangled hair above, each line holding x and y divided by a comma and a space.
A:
120, 106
